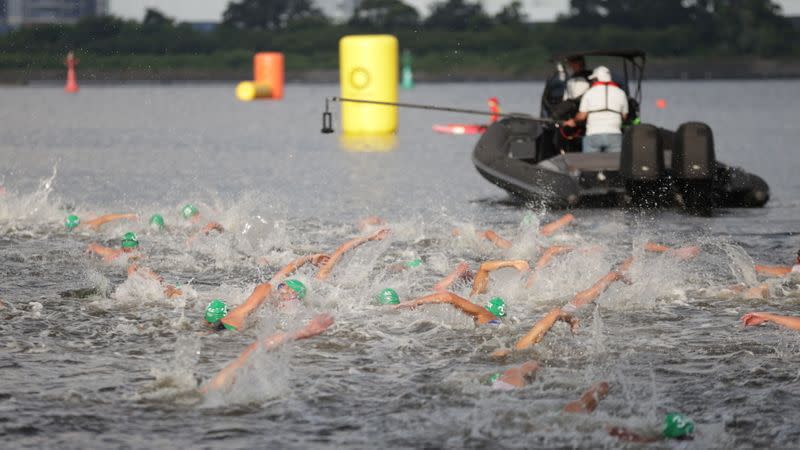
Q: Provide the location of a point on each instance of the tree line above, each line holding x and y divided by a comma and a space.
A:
454, 34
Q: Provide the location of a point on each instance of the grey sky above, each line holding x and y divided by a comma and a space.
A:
211, 10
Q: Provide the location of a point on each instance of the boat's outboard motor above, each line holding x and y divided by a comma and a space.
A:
641, 165
693, 164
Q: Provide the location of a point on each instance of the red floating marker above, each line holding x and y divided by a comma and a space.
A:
661, 103
72, 81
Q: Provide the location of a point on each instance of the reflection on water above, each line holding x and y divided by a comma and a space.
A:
90, 354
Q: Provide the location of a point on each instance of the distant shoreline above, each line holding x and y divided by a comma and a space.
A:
744, 69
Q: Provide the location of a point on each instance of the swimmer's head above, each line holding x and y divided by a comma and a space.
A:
292, 290
413, 263
676, 426
189, 211
130, 241
71, 222
494, 377
388, 296
798, 257
157, 222
496, 306
216, 311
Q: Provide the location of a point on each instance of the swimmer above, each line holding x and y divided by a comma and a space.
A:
682, 253
757, 318
589, 400
156, 222
675, 426
170, 291
779, 271
289, 290
481, 281
492, 312
73, 222
325, 271
515, 377
546, 257
129, 247
462, 272
550, 228
227, 375
564, 314
192, 214
502, 243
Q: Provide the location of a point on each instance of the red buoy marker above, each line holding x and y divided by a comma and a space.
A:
661, 103
72, 81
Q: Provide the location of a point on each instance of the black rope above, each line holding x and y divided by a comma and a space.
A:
443, 108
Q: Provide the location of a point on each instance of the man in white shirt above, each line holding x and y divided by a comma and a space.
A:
604, 107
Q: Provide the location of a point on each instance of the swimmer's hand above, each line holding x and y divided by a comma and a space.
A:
570, 320
379, 235
316, 326
754, 318
319, 259
500, 353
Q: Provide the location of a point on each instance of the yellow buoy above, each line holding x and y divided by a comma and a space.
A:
368, 70
249, 90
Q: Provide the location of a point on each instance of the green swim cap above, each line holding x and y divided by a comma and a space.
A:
494, 377
72, 222
157, 221
496, 306
216, 311
413, 263
298, 287
129, 240
189, 210
388, 296
677, 425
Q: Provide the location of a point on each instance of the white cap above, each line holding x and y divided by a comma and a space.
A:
601, 73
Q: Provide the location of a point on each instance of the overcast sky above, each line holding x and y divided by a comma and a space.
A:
211, 10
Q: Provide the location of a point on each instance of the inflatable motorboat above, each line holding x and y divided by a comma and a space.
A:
537, 160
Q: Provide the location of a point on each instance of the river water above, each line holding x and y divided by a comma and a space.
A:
92, 359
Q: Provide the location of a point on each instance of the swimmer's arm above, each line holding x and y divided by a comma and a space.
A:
519, 376
546, 257
680, 252
757, 318
225, 376
317, 259
561, 222
495, 239
590, 294
212, 226
543, 326
238, 316
589, 400
170, 291
106, 252
479, 313
460, 272
772, 271
326, 269
481, 282
96, 223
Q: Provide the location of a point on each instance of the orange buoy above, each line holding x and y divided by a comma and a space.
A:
268, 68
661, 103
72, 81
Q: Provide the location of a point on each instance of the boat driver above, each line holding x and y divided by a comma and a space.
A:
604, 107
578, 82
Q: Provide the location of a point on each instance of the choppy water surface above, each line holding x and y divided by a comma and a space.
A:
117, 364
